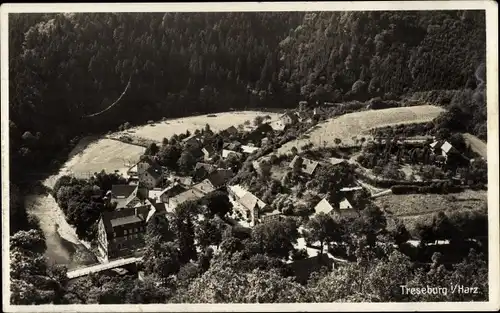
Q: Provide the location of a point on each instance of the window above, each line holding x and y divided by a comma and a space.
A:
125, 232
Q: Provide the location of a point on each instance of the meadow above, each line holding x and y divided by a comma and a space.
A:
350, 127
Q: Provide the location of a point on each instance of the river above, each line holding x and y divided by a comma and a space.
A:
63, 245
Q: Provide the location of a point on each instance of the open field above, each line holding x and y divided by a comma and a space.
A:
106, 154
220, 121
347, 126
477, 145
414, 209
423, 204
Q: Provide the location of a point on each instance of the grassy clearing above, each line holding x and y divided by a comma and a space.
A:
411, 205
476, 144
217, 122
416, 209
349, 126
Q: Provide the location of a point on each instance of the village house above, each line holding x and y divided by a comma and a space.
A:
274, 215
259, 132
336, 161
201, 170
306, 166
251, 207
445, 149
127, 196
230, 131
249, 149
193, 141
148, 172
183, 180
236, 192
234, 145
220, 177
208, 152
288, 118
204, 187
163, 195
226, 153
192, 194
151, 177
350, 189
319, 111
301, 116
344, 208
120, 233
312, 262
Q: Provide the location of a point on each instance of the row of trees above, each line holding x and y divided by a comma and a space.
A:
82, 200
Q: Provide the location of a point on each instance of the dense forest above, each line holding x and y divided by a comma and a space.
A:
64, 67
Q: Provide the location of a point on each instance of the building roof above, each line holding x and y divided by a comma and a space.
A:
443, 145
250, 201
154, 172
226, 153
155, 193
345, 204
125, 220
209, 150
220, 177
278, 125
132, 169
191, 137
336, 161
188, 195
208, 167
231, 129
249, 149
238, 190
122, 191
124, 217
347, 189
204, 186
308, 166
323, 207
289, 114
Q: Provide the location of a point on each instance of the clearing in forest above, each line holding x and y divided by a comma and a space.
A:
356, 124
217, 122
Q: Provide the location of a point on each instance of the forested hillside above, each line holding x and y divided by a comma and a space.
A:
66, 66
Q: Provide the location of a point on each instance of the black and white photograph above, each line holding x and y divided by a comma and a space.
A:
173, 157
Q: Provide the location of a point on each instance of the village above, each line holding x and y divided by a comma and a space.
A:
261, 185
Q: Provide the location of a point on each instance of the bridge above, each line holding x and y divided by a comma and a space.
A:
101, 267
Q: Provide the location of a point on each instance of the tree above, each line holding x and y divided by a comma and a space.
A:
337, 141
169, 155
217, 203
31, 240
258, 120
159, 226
276, 237
209, 232
400, 234
322, 228
226, 284
152, 149
161, 258
147, 291
186, 161
183, 227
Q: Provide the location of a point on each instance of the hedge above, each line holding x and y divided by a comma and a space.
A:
439, 188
